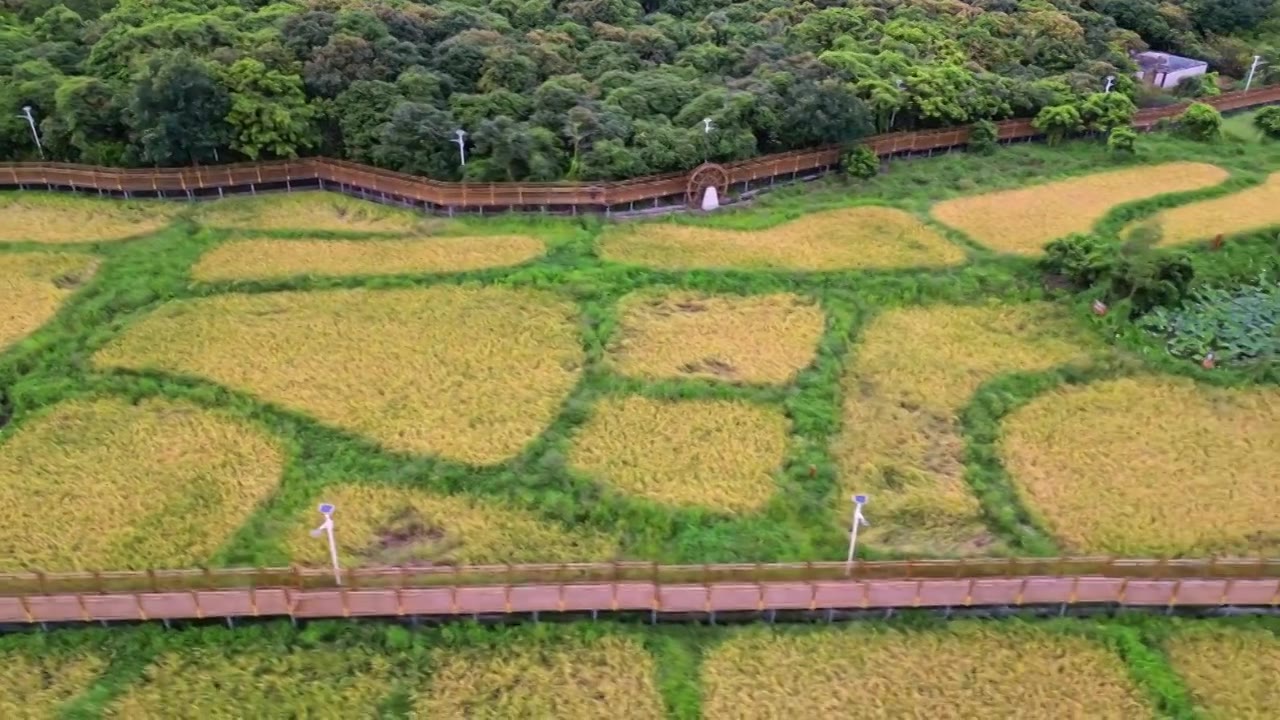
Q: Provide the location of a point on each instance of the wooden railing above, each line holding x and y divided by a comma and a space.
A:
631, 586
587, 196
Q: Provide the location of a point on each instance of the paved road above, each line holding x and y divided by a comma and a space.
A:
632, 596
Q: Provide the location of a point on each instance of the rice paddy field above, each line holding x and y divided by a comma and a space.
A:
1255, 208
182, 386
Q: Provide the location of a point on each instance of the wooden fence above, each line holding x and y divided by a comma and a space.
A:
629, 586
437, 196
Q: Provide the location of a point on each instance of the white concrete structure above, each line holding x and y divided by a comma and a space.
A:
1163, 70
710, 199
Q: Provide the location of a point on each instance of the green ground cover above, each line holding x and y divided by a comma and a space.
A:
1124, 667
797, 512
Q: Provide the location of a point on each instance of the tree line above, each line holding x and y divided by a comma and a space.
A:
552, 89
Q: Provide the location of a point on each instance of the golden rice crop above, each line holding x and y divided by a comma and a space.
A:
719, 454
963, 671
102, 484
394, 526
861, 237
1022, 221
472, 374
33, 688
33, 286
609, 677
1252, 209
212, 684
912, 373
1151, 465
310, 211
31, 217
263, 258
757, 339
1231, 672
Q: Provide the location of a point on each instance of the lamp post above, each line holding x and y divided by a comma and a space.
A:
856, 521
460, 137
326, 528
1257, 60
26, 113
1111, 81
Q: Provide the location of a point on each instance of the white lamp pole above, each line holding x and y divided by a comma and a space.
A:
706, 126
1111, 81
461, 139
326, 528
854, 523
26, 113
1257, 60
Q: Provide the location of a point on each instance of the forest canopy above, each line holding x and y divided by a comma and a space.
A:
550, 89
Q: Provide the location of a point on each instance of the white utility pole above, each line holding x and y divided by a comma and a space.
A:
1111, 81
461, 139
706, 126
26, 113
854, 523
1257, 60
326, 528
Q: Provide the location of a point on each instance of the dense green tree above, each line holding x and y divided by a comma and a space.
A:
269, 112
1267, 121
177, 111
1201, 122
360, 111
418, 139
1101, 112
1058, 121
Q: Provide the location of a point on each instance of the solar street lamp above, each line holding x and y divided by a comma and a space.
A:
1111, 81
26, 113
706, 126
1257, 60
854, 523
460, 137
326, 528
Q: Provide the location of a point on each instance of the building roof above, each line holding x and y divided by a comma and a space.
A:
1165, 62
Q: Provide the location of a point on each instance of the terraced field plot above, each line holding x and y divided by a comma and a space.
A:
911, 373
33, 686
1252, 209
755, 339
717, 454
393, 526
1231, 672
867, 238
963, 671
1112, 467
1024, 220
606, 677
32, 288
56, 219
227, 684
260, 259
314, 211
471, 374
102, 484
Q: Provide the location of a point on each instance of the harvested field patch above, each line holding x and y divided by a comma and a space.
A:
33, 286
233, 683
1253, 209
755, 338
912, 373
1110, 466
33, 688
472, 374
869, 238
1231, 672
719, 454
102, 484
611, 677
1024, 220
55, 219
263, 258
304, 211
964, 671
394, 526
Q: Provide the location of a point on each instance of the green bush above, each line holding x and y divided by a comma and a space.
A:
1150, 280
1104, 111
861, 162
1267, 121
1058, 121
983, 136
1080, 259
1200, 122
1123, 140
1239, 325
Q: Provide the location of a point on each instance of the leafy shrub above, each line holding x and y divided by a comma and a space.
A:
1149, 280
861, 162
1198, 86
1200, 122
1058, 121
1239, 325
1267, 121
1103, 111
1123, 140
1079, 258
983, 136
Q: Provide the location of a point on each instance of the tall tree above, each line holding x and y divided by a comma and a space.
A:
269, 111
177, 112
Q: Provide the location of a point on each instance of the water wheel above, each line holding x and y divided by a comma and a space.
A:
704, 176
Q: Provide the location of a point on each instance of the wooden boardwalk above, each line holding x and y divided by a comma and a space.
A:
661, 598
